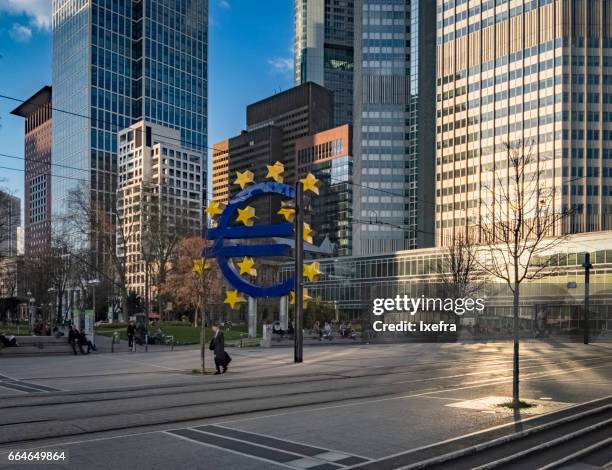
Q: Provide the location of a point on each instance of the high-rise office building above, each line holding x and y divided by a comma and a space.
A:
323, 50
159, 195
536, 74
302, 110
37, 180
394, 125
329, 156
220, 171
252, 151
116, 63
274, 126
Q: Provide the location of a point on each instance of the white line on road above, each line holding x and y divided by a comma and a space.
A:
229, 450
379, 400
288, 440
536, 366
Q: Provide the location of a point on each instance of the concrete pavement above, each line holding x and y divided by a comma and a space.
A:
356, 402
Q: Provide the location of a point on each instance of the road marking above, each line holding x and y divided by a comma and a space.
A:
536, 366
292, 454
266, 454
272, 441
27, 386
469, 386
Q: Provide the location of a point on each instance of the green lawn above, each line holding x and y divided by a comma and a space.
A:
12, 330
183, 333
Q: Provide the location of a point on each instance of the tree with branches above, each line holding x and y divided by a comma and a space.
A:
458, 270
520, 222
160, 238
194, 282
106, 237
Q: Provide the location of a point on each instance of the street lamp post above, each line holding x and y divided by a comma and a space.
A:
93, 283
587, 273
298, 347
146, 251
31, 309
51, 292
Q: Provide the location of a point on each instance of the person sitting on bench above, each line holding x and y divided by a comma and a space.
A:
83, 341
8, 341
73, 339
277, 330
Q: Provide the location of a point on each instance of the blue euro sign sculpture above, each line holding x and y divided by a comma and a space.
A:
225, 231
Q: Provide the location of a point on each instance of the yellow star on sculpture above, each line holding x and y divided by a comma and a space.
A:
232, 298
201, 265
245, 215
276, 172
305, 297
307, 233
287, 212
247, 266
310, 183
312, 271
215, 208
243, 178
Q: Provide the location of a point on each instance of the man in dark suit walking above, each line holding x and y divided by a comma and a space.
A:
217, 344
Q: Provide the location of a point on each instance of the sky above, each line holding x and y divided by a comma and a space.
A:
250, 57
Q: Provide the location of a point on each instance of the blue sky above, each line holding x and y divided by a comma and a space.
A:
250, 58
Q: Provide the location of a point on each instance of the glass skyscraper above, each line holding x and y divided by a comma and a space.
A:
116, 62
537, 72
323, 48
394, 125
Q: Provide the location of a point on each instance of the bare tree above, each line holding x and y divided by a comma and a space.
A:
459, 269
49, 277
194, 282
520, 221
105, 237
161, 234
59, 268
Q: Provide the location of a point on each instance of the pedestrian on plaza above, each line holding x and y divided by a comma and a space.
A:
290, 329
217, 344
316, 329
325, 331
131, 331
72, 338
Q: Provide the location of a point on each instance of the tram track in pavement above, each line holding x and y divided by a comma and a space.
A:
95, 416
55, 395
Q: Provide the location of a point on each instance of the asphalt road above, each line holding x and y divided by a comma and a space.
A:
343, 406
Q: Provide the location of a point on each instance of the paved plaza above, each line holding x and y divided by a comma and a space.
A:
344, 406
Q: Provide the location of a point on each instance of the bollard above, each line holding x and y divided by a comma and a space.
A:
146, 342
114, 340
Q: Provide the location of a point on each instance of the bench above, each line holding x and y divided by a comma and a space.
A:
38, 345
249, 342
